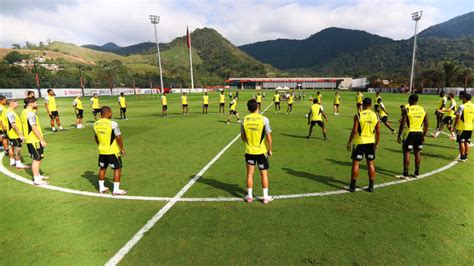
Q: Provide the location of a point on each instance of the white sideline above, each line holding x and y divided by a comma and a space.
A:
139, 235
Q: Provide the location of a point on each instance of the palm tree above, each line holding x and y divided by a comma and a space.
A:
466, 75
450, 69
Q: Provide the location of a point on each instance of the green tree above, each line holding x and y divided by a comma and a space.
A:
13, 57
450, 70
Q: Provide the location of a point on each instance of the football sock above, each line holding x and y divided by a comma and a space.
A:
352, 187
101, 185
417, 171
405, 172
116, 186
37, 178
265, 192
18, 162
249, 192
12, 161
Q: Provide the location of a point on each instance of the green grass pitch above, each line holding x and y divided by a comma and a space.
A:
429, 221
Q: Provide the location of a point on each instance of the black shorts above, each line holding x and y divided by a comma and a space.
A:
384, 119
3, 134
164, 108
54, 114
277, 103
185, 105
123, 110
359, 105
96, 111
414, 141
79, 113
359, 150
206, 105
221, 104
336, 104
232, 112
260, 159
36, 151
113, 160
15, 142
464, 136
290, 105
319, 123
447, 120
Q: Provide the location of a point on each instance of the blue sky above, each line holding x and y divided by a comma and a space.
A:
126, 22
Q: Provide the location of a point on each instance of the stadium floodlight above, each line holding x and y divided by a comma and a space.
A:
416, 16
155, 20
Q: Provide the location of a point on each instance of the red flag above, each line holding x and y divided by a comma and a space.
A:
188, 38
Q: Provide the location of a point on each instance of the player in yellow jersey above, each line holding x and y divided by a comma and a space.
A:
52, 109
364, 139
439, 109
15, 135
319, 96
34, 139
3, 121
222, 102
291, 101
94, 101
337, 103
382, 113
254, 129
413, 126
233, 110
315, 116
123, 106
276, 101
184, 103
164, 104
449, 116
464, 124
110, 143
359, 98
79, 110
205, 103
258, 98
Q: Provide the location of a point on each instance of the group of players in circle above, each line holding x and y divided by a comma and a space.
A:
255, 128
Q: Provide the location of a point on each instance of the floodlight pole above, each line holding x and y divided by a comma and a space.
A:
416, 16
155, 20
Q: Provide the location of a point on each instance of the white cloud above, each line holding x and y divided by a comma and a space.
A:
245, 21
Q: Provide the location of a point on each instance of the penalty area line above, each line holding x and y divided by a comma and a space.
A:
139, 235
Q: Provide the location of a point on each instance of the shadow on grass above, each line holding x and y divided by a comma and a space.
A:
426, 154
233, 189
294, 136
438, 146
364, 167
93, 179
327, 180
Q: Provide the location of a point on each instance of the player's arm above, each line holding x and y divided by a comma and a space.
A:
96, 139
309, 115
118, 137
377, 135
243, 137
324, 115
268, 135
425, 125
11, 119
47, 107
383, 108
402, 124
353, 132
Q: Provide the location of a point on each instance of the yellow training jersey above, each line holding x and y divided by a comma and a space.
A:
451, 107
233, 105
78, 104
51, 102
366, 131
381, 111
320, 98
258, 98
442, 102
291, 99
3, 114
95, 103
205, 99
164, 101
28, 119
184, 99
316, 110
221, 98
12, 117
276, 98
255, 127
106, 130
466, 116
122, 102
337, 99
415, 117
359, 98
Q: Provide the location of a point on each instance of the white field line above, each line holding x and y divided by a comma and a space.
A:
139, 235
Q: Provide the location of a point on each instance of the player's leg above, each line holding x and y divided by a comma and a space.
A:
387, 124
371, 170
250, 171
335, 109
36, 153
230, 115
324, 130
406, 162
310, 130
51, 122
102, 187
11, 154
466, 149
417, 162
17, 156
238, 118
354, 174
58, 122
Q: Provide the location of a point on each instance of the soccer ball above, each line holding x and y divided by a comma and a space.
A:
306, 115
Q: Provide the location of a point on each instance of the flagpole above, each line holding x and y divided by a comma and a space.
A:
190, 58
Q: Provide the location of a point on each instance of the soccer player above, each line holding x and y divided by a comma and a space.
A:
337, 103
233, 110
110, 143
3, 122
254, 129
364, 138
383, 114
164, 105
184, 103
221, 102
258, 98
123, 106
464, 125
359, 98
414, 126
51, 108
79, 110
316, 112
439, 110
276, 100
94, 101
291, 100
448, 119
34, 139
15, 135
319, 96
205, 103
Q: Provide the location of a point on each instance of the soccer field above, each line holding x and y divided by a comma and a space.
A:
313, 220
